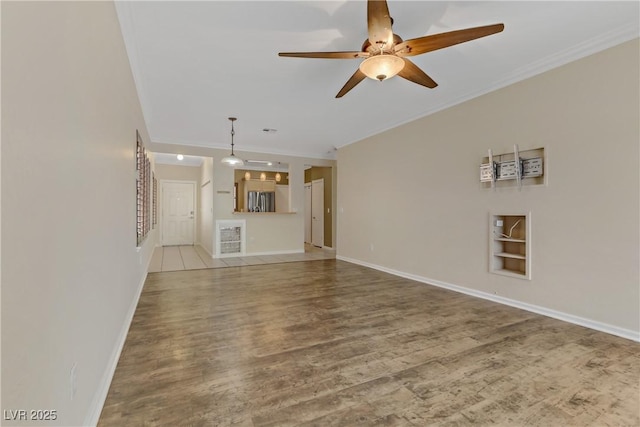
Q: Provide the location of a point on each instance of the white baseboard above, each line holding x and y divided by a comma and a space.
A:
297, 251
581, 321
205, 249
101, 395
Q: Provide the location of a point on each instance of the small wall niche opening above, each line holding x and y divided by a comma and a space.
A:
510, 245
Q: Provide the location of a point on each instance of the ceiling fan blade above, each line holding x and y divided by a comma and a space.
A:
379, 24
357, 77
413, 73
438, 41
326, 55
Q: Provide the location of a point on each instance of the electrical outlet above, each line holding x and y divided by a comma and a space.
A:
73, 380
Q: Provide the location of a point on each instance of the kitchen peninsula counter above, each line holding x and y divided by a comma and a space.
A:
272, 233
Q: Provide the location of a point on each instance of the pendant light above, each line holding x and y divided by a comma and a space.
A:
232, 160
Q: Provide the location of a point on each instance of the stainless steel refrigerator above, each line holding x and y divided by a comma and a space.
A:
261, 201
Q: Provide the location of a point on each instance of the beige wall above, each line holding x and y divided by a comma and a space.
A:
71, 272
178, 173
428, 217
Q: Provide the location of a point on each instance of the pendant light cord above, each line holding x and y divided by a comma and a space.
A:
233, 132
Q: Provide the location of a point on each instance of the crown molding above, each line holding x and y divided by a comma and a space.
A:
586, 48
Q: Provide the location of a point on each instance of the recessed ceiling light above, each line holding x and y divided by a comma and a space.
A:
180, 157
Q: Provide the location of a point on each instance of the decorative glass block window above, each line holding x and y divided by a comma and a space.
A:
143, 191
230, 238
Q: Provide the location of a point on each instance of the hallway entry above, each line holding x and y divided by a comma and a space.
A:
317, 212
314, 213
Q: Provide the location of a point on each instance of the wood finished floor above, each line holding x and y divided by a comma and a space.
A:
329, 343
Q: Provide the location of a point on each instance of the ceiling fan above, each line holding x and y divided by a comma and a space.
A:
385, 53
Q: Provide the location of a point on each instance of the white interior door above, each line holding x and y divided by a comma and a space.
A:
307, 213
177, 213
317, 212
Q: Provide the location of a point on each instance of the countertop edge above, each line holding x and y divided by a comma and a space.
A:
263, 213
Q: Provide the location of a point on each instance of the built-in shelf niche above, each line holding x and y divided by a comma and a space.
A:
532, 168
510, 245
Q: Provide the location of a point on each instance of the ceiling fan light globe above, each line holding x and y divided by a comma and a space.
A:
381, 67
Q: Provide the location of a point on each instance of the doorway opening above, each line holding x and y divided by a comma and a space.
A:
318, 199
196, 170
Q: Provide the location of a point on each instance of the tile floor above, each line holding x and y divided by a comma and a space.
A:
177, 258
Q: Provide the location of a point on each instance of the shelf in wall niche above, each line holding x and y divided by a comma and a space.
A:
509, 255
510, 245
505, 239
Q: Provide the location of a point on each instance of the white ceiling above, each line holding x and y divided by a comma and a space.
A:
197, 63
